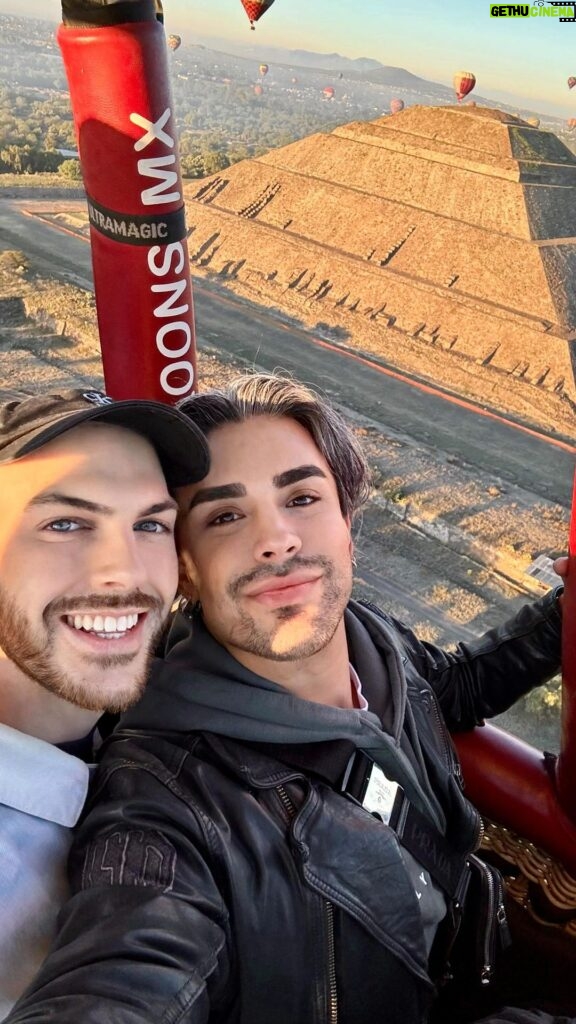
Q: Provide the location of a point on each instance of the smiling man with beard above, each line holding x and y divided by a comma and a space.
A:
278, 832
88, 572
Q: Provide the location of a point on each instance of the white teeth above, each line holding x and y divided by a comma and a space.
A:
106, 626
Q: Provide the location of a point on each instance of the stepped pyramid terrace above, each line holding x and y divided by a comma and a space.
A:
445, 230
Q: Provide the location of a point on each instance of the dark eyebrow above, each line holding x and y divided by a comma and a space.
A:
170, 505
217, 494
292, 476
57, 498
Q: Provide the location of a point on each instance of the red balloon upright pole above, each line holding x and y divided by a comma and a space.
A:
123, 112
566, 767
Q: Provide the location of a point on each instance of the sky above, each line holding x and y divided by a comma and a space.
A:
514, 59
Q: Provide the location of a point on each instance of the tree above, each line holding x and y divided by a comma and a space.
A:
192, 166
214, 161
70, 169
16, 158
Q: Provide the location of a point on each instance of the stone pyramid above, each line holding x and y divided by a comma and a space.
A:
453, 227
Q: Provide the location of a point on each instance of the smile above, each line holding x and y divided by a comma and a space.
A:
108, 627
284, 590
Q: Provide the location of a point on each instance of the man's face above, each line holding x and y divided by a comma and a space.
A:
88, 566
265, 543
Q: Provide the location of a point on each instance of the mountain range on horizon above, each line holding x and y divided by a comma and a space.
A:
367, 68
361, 69
357, 69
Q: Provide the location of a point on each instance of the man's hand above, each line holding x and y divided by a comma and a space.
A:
560, 566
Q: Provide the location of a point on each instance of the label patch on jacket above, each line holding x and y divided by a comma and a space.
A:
134, 857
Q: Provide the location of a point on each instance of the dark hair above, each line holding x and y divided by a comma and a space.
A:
266, 394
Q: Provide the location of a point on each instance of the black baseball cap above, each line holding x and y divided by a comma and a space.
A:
28, 422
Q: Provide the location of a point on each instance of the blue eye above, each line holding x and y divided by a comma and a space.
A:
64, 526
152, 526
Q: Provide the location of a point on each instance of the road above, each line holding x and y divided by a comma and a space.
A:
493, 446
394, 402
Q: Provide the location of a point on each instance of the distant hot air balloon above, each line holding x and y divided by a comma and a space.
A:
255, 9
294, 81
328, 92
572, 123
463, 82
534, 122
174, 42
263, 69
396, 106
258, 90
571, 82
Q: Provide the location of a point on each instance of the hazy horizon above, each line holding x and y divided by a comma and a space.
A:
517, 62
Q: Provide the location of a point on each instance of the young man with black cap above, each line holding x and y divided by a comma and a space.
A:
88, 573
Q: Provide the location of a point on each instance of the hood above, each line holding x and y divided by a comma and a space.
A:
198, 680
200, 687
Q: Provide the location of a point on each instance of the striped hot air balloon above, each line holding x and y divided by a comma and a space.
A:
396, 106
463, 82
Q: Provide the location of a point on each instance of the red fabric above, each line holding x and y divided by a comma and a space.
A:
256, 8
118, 78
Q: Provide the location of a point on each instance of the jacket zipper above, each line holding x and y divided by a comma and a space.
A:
494, 930
480, 830
332, 1018
455, 917
333, 991
494, 925
488, 942
452, 762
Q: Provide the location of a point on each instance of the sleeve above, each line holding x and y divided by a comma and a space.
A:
145, 935
484, 677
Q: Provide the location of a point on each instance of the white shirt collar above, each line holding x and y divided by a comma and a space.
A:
39, 779
355, 682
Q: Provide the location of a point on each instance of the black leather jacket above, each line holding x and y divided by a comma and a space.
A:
216, 883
